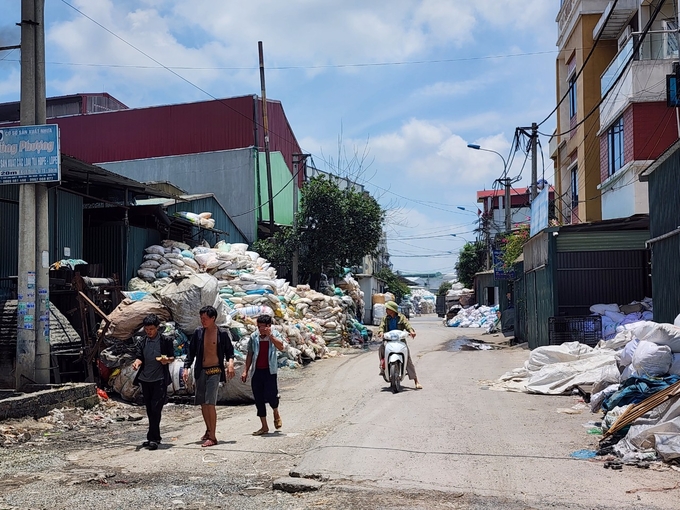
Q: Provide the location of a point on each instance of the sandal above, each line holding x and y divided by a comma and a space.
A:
278, 423
419, 386
209, 442
260, 432
205, 436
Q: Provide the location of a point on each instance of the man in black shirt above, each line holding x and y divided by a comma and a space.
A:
154, 354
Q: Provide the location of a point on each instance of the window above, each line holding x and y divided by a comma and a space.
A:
572, 97
574, 187
615, 145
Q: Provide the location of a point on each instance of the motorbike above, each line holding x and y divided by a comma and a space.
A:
396, 356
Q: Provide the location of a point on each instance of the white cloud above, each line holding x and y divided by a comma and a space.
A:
10, 83
417, 119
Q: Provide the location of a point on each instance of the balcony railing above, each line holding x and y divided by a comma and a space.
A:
662, 45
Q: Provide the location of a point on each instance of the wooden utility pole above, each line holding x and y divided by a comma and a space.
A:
270, 192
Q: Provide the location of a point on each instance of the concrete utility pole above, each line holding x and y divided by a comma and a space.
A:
42, 257
32, 355
508, 205
534, 159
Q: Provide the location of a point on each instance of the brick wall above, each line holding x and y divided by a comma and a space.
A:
655, 129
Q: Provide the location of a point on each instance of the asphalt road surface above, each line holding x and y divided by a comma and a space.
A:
453, 444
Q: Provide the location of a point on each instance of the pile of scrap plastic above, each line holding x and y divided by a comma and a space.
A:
351, 287
475, 317
458, 293
422, 301
632, 369
614, 316
175, 282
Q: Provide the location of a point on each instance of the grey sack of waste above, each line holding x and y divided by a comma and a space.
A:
187, 296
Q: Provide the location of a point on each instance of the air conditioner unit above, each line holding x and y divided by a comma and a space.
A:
625, 35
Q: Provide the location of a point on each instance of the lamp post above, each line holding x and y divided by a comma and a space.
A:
504, 180
459, 237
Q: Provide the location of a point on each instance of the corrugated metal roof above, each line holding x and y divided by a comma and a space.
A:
602, 241
61, 331
190, 128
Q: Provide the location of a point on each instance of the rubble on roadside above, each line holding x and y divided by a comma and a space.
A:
15, 432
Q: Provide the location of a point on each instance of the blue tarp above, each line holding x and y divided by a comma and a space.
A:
637, 389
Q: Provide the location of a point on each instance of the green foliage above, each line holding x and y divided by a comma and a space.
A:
279, 248
336, 228
513, 244
471, 260
444, 288
394, 284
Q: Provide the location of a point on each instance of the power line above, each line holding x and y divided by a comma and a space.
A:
592, 50
302, 67
636, 47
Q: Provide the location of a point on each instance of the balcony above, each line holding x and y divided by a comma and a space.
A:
624, 10
642, 79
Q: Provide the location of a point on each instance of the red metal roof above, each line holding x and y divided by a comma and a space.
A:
171, 130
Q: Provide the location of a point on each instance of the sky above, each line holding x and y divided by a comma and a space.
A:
386, 92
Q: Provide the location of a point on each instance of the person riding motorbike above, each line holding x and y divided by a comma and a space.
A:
395, 320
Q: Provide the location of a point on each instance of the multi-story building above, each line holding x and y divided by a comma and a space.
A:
612, 116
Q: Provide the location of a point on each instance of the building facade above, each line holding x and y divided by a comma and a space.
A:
612, 116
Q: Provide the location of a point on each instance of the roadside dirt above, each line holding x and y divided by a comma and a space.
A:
454, 444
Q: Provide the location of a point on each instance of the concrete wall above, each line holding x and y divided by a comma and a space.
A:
39, 403
230, 175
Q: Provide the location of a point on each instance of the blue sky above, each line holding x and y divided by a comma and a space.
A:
388, 92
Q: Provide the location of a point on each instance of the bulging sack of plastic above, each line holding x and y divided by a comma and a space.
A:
186, 297
253, 311
652, 360
626, 355
177, 385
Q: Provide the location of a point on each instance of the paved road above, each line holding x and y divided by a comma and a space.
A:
455, 436
453, 444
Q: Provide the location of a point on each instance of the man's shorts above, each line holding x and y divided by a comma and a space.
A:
206, 388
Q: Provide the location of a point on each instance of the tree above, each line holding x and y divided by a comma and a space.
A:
512, 245
336, 228
394, 283
444, 288
470, 261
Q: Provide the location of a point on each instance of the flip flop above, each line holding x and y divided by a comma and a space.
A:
209, 442
419, 386
278, 423
205, 436
260, 432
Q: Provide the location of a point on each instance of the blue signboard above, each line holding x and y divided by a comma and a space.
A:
30, 154
500, 272
539, 211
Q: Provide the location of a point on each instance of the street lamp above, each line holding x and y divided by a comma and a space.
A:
460, 237
505, 180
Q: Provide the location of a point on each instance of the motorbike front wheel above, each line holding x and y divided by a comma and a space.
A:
395, 376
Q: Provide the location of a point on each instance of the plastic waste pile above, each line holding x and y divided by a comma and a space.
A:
201, 219
378, 302
475, 317
458, 293
351, 287
614, 316
422, 301
638, 363
175, 282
